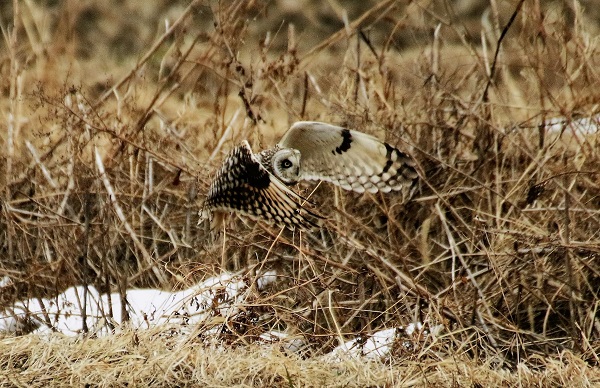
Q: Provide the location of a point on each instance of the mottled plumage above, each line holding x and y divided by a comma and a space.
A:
244, 185
255, 184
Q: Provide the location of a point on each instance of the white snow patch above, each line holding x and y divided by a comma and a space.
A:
578, 127
102, 313
380, 344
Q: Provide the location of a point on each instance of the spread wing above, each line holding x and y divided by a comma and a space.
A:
350, 159
245, 186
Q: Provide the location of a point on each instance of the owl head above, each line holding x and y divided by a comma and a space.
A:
286, 165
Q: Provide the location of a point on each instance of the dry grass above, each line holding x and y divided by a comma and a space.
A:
148, 357
116, 117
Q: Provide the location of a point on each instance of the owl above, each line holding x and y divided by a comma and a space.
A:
258, 184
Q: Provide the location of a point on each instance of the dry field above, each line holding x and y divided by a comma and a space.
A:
116, 114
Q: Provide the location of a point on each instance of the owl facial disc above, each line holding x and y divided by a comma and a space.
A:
286, 165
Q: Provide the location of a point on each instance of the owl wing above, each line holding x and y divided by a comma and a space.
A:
245, 186
350, 159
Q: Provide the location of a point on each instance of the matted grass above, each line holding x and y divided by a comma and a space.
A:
147, 358
117, 116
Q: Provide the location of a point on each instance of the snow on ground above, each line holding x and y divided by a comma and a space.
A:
5, 281
216, 296
576, 127
567, 131
219, 295
381, 343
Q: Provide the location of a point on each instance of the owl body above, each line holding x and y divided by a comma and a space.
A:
256, 184
244, 185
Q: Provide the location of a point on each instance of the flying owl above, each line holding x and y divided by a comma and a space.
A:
256, 184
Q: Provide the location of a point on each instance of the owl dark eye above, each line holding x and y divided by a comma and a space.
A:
286, 163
